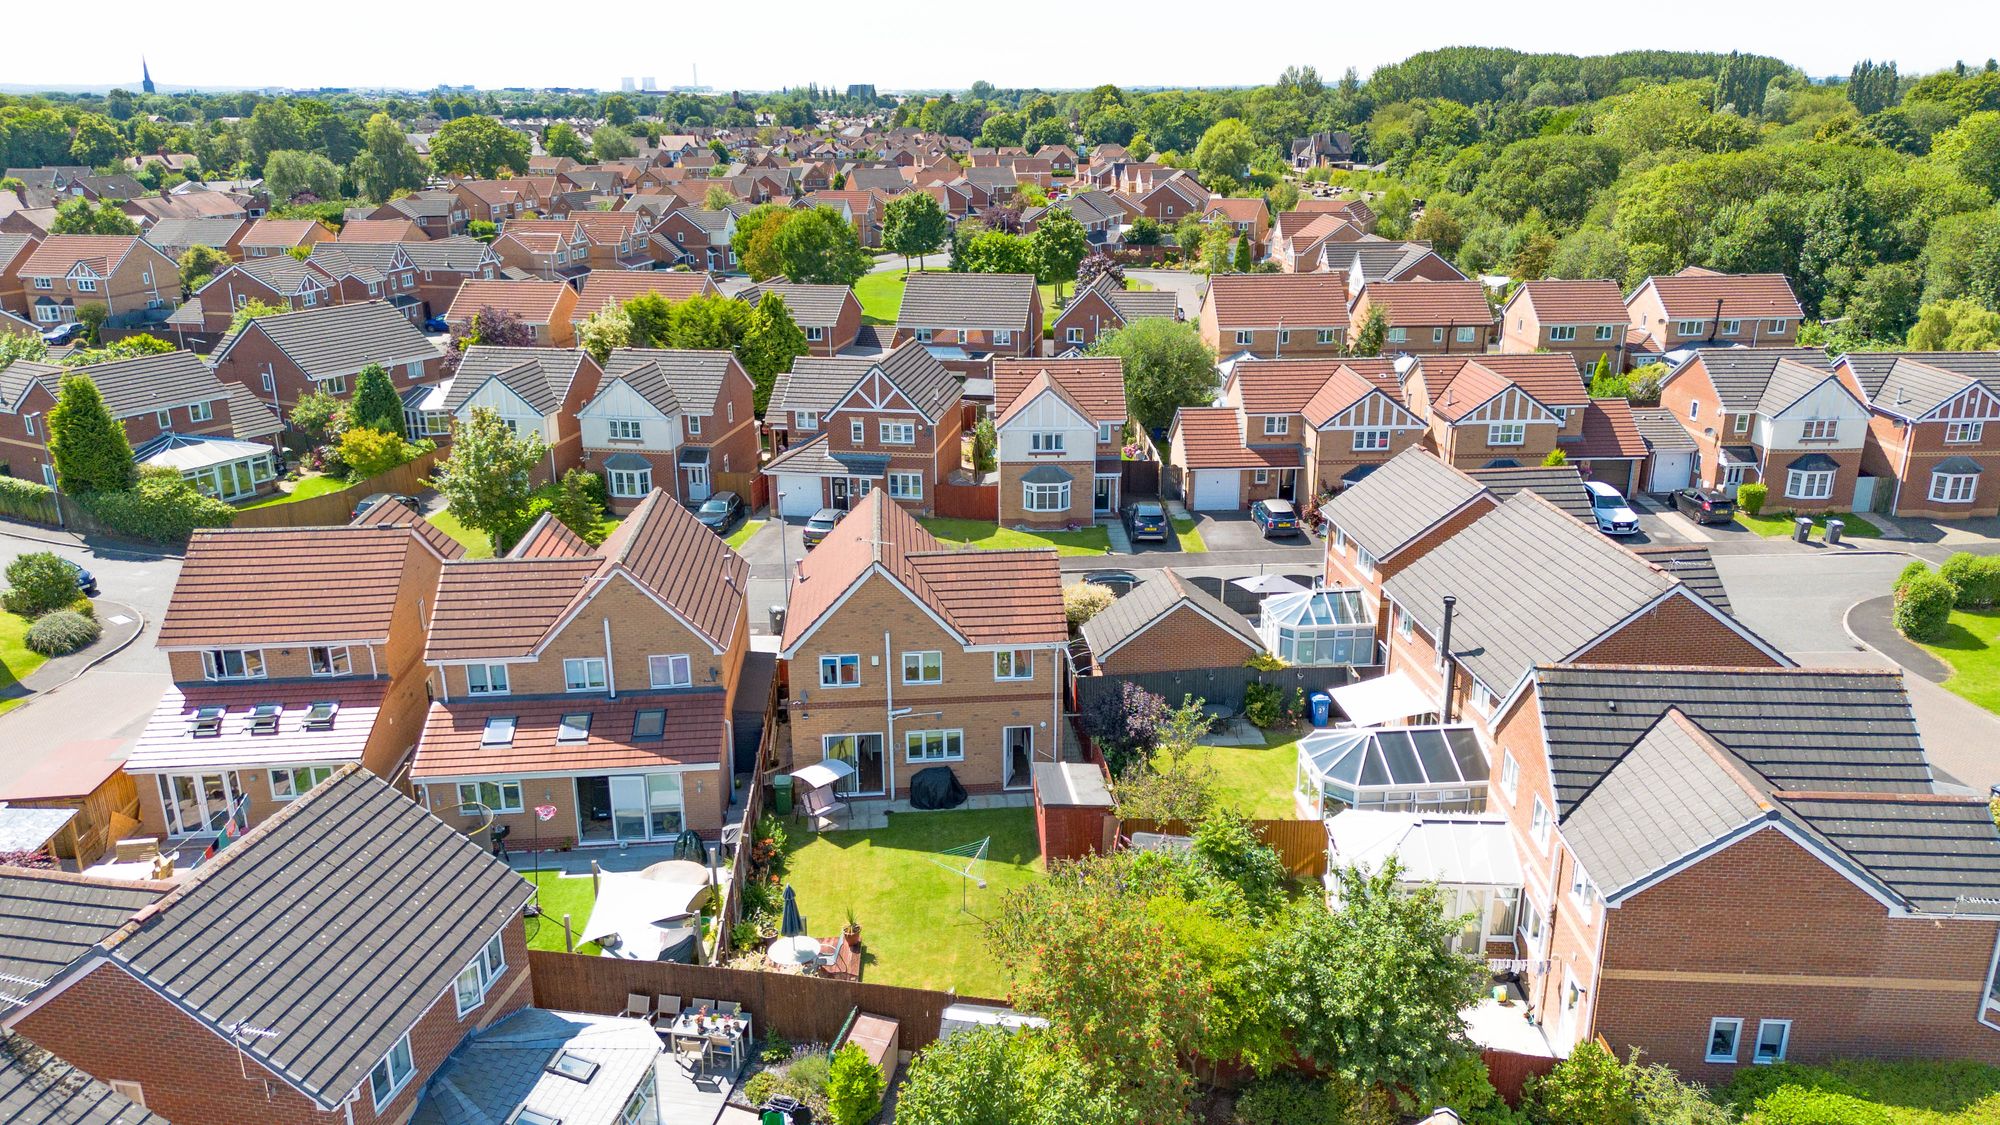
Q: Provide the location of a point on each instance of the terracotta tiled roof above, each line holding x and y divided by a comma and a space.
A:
1344, 387
1212, 438
395, 513
1551, 377
453, 738
1691, 295
279, 586
1040, 383
59, 253
1575, 302
1609, 431
1430, 302
279, 232
1094, 384
550, 538
382, 230
602, 287
533, 301
1281, 386
501, 607
989, 597
1263, 300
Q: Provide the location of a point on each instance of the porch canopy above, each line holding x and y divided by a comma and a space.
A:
1383, 699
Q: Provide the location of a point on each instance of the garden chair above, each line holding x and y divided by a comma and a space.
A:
732, 1008
701, 1003
638, 1006
692, 1054
668, 1011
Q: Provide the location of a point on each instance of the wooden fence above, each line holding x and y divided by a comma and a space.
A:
753, 487
800, 1008
1221, 687
753, 806
967, 501
1301, 844
333, 508
1141, 478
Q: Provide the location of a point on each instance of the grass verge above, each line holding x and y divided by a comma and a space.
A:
16, 659
1190, 537
992, 537
1771, 526
1971, 645
742, 534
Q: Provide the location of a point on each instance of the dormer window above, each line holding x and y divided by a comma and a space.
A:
1276, 425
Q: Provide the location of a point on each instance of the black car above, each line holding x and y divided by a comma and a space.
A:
373, 499
62, 333
820, 525
1704, 505
720, 512
85, 581
1146, 519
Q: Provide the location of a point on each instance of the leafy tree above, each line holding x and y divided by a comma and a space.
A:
1872, 86
376, 404
1167, 366
479, 146
996, 252
388, 163
1373, 334
1555, 458
982, 1077
254, 309
199, 264
1955, 326
1962, 259
1000, 130
755, 240
367, 451
36, 138
97, 142
1972, 149
717, 198
318, 418
78, 215
578, 503
617, 109
86, 443
818, 247
1560, 175
1884, 304
1243, 262
131, 347
854, 1087
771, 341
1587, 1088
913, 223
1144, 231
92, 315
1048, 131
274, 126
485, 480
1223, 157
37, 583
1099, 264
560, 140
289, 175
609, 143
649, 314
1058, 246
1215, 244
604, 331
21, 345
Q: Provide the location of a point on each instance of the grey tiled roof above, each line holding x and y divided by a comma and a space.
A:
1939, 856
1558, 484
648, 381
153, 382
183, 233
455, 253
1740, 374
817, 458
1871, 368
541, 376
928, 384
1662, 430
1150, 601
967, 301
809, 304
37, 1088
48, 920
342, 339
697, 377
1693, 564
1912, 388
1533, 585
816, 383
1790, 381
1393, 505
1800, 728
250, 417
504, 1068
371, 907
1141, 304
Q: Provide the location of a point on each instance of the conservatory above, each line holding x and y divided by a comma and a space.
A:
1391, 769
1469, 859
1319, 628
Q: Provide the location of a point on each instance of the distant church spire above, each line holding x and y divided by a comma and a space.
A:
145, 76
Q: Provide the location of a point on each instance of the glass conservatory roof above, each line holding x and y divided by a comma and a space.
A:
1316, 607
1394, 756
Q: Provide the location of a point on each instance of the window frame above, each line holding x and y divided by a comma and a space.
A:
1606, 332
1817, 484
857, 431
885, 428
925, 659
214, 664
381, 1097
199, 412
501, 789
805, 419
1048, 441
1245, 337
1017, 659
1562, 333
1396, 336
913, 486
1715, 1024
626, 429
1819, 429
1277, 425
1510, 774
674, 660
1784, 1029
1498, 433
839, 661
1326, 336
291, 774
1539, 824
1953, 483
950, 745
1034, 497
1373, 440
629, 484
338, 660
570, 682
1963, 433
491, 688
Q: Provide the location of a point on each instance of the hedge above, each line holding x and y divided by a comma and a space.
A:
1977, 579
27, 499
164, 508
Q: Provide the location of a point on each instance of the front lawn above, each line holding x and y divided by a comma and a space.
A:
742, 534
1255, 780
1971, 645
477, 544
1191, 543
305, 489
560, 894
986, 536
1771, 526
16, 659
912, 930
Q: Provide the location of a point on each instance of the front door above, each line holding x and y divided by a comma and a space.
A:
629, 812
1570, 1021
1106, 496
840, 494
864, 753
697, 482
197, 803
1018, 747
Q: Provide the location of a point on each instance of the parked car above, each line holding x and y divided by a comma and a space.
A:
1607, 504
85, 581
436, 324
1146, 519
1704, 505
373, 499
1276, 517
62, 334
720, 512
1119, 582
820, 525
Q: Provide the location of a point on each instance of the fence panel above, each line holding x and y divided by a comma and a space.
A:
1300, 844
968, 501
1141, 478
1217, 687
338, 507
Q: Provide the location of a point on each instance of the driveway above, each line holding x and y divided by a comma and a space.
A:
1187, 287
112, 701
1235, 531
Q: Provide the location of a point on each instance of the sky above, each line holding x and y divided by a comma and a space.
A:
901, 44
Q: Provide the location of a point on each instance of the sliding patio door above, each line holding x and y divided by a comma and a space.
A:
864, 753
629, 810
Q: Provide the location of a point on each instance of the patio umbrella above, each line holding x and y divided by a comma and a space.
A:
793, 923
1269, 584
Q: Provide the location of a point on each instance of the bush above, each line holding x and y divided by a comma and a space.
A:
1910, 570
37, 583
1465, 1086
854, 1087
1923, 606
1288, 1099
777, 1048
62, 632
369, 452
1804, 1105
1263, 705
164, 508
1750, 497
1589, 1087
761, 1086
1977, 579
1085, 600
806, 1078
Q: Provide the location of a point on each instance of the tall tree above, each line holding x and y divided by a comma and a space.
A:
1059, 245
274, 126
560, 140
289, 174
389, 163
818, 247
78, 215
914, 224
771, 341
199, 264
609, 143
87, 443
716, 323
97, 142
1223, 156
605, 331
479, 146
486, 479
376, 405
754, 241
1167, 366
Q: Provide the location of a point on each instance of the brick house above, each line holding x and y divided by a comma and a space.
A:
1105, 306
1428, 317
1218, 465
1275, 316
1059, 423
1246, 217
905, 655
1780, 416
15, 249
283, 282
548, 307
967, 318
440, 214
534, 390
43, 1088
597, 680
1302, 241
278, 684
358, 1027
281, 358
133, 280
1585, 319
1491, 409
1393, 517
802, 398
270, 238
444, 265
1343, 415
381, 230
1167, 624
896, 424
829, 315
550, 249
175, 237
696, 238
1370, 261
1702, 308
719, 443
1927, 435
370, 271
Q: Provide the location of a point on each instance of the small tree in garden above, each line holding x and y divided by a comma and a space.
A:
1750, 497
771, 341
579, 503
1085, 600
318, 418
1099, 264
494, 327
376, 404
1124, 723
1556, 458
1589, 1088
1372, 335
368, 451
854, 1086
87, 444
486, 479
37, 583
1164, 782
605, 331
1923, 605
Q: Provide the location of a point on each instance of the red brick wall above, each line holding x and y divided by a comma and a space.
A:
1677, 631
1183, 639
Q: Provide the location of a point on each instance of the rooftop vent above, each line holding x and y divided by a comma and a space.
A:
320, 715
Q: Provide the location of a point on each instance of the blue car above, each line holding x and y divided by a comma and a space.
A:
1146, 519
62, 334
436, 324
1276, 517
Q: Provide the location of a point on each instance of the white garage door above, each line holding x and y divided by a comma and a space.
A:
798, 495
1671, 471
1216, 490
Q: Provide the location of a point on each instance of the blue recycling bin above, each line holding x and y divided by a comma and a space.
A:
1322, 708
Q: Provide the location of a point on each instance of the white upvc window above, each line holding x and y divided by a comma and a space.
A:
1963, 433
1045, 497
47, 314
898, 433
584, 673
28, 423
1773, 1036
164, 419
843, 670
1072, 335
86, 285
673, 670
934, 746
1819, 429
288, 782
1277, 425
498, 796
1244, 337
486, 679
815, 333
694, 425
1809, 484
1688, 327
233, 664
1953, 488
629, 484
1694, 410
45, 283
923, 667
1003, 337
1371, 441
857, 431
805, 419
1562, 333
1437, 335
925, 335
1740, 423
1538, 824
201, 412
337, 385
1284, 335
1725, 1035
1327, 336
1510, 774
1777, 327
1014, 664
1467, 333
470, 989
906, 486
1364, 560
627, 429
1262, 476
1047, 441
1582, 890
1606, 331
1507, 433
329, 660
394, 1072
1107, 432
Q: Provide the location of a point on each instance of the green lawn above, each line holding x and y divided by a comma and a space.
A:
306, 489
1971, 645
561, 894
477, 545
1257, 780
881, 295
992, 537
912, 930
16, 660
742, 534
1191, 543
1857, 528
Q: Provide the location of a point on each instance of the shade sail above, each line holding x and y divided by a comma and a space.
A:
1383, 699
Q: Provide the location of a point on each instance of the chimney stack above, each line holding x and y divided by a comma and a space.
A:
1447, 667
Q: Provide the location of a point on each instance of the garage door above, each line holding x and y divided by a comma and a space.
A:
798, 495
1216, 490
1671, 471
